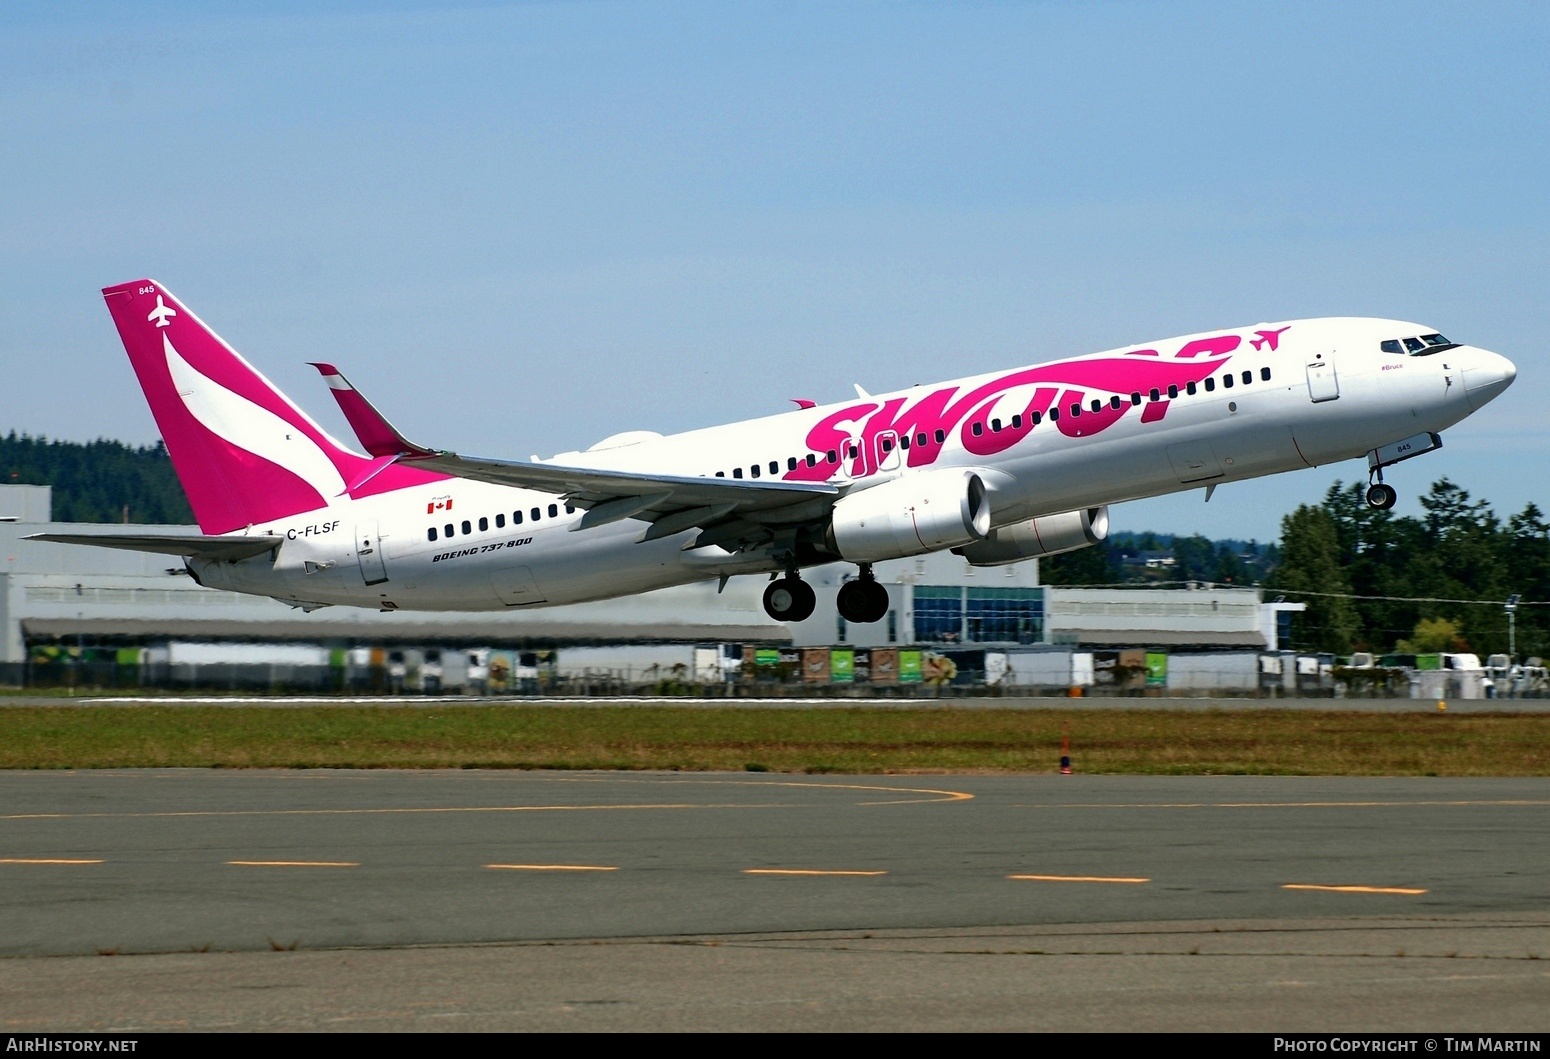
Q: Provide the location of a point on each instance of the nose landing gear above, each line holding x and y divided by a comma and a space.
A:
789, 599
862, 601
1382, 497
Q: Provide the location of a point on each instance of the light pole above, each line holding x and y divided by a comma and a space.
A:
1512, 628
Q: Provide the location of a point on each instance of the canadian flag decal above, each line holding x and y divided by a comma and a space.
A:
439, 503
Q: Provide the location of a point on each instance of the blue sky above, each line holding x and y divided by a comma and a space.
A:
523, 227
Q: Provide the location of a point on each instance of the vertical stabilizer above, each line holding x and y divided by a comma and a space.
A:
244, 453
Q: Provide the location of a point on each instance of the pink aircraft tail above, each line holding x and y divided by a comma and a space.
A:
245, 454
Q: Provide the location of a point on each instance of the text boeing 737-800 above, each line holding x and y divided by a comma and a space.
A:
997, 467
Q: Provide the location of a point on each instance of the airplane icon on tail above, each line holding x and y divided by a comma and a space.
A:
161, 312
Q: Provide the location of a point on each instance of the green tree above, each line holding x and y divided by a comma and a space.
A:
1096, 565
1310, 572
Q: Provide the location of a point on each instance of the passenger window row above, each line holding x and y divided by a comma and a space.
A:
978, 427
535, 514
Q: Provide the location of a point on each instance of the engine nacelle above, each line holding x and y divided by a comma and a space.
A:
1045, 535
918, 513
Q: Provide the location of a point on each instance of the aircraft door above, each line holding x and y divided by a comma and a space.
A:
887, 443
1323, 384
368, 553
515, 586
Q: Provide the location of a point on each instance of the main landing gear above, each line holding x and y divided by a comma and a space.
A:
864, 600
789, 599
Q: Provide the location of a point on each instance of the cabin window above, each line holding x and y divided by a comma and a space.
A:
791, 463
904, 441
834, 457
554, 510
1017, 421
1264, 373
754, 470
484, 525
737, 472
1248, 377
1114, 402
1097, 405
430, 534
516, 518
1135, 399
851, 452
1076, 409
978, 428
570, 509
1189, 388
719, 474
995, 426
1054, 414
921, 438
887, 445
1155, 394
812, 461
1033, 418
774, 466
467, 527
500, 521
535, 514
448, 530
1173, 391
1210, 384
1227, 380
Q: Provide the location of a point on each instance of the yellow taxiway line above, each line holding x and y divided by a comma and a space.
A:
553, 867
47, 860
1353, 889
1082, 878
807, 871
295, 863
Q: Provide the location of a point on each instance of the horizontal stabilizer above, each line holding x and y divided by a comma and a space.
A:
199, 547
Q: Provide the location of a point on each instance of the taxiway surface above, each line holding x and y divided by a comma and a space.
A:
716, 900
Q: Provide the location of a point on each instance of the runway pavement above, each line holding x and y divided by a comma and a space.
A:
589, 900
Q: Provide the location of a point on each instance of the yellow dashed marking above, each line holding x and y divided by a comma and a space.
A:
1353, 889
553, 867
46, 860
1081, 878
806, 871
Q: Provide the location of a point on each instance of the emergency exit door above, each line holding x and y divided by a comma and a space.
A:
1323, 385
368, 553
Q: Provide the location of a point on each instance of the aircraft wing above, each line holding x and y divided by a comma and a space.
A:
200, 547
740, 510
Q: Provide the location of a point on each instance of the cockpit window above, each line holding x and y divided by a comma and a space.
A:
1424, 346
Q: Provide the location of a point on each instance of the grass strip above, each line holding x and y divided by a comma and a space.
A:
859, 740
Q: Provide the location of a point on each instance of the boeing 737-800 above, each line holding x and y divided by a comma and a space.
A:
998, 467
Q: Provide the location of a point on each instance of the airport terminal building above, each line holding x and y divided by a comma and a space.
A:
57, 598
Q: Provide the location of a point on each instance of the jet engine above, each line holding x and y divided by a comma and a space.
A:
911, 515
1045, 535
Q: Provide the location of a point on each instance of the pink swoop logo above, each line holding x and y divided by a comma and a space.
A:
865, 428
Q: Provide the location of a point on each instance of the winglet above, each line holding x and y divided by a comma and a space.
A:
376, 434
804, 402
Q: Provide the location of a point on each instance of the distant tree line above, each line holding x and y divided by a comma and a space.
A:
1459, 550
98, 481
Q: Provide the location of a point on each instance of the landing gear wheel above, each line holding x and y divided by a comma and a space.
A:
854, 601
1382, 497
789, 599
877, 602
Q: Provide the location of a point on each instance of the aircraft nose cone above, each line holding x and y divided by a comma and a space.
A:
1486, 376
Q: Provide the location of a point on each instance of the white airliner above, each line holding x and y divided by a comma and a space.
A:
997, 467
